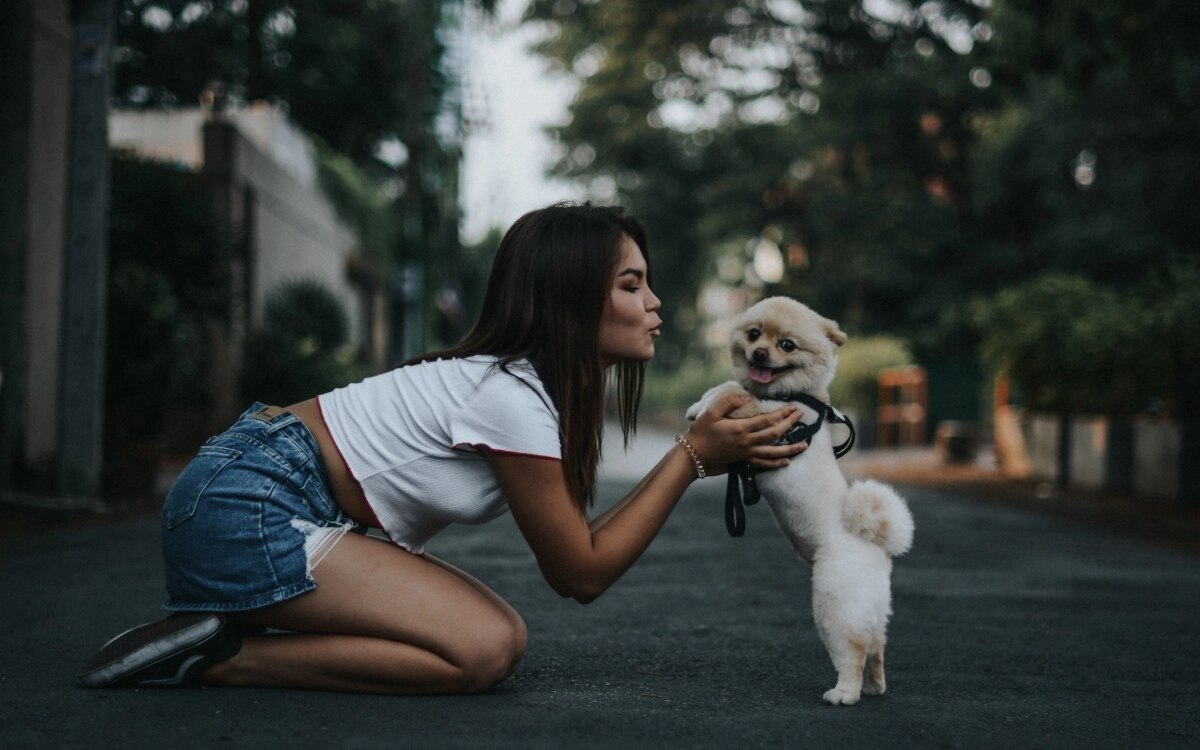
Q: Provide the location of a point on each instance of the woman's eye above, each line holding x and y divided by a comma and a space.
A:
753, 334
633, 289
787, 346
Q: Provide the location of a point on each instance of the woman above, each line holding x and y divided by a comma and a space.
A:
510, 418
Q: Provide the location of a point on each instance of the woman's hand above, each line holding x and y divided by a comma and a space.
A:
720, 439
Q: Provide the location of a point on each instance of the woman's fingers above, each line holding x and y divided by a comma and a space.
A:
765, 454
769, 427
730, 403
720, 438
774, 456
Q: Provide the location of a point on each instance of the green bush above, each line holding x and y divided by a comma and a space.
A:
302, 349
1172, 348
1070, 345
860, 361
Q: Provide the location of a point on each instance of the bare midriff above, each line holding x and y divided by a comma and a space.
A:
346, 490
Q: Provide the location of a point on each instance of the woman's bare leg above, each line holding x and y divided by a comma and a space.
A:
381, 620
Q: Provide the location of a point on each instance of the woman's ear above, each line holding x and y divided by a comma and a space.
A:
833, 332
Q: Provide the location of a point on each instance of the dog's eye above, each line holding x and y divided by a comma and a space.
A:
787, 346
753, 334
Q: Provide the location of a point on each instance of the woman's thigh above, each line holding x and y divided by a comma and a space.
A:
517, 621
368, 587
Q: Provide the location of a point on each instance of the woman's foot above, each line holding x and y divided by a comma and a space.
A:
172, 652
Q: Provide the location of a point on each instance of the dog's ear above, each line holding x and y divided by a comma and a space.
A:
833, 332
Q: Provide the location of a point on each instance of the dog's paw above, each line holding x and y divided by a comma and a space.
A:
712, 396
840, 697
870, 688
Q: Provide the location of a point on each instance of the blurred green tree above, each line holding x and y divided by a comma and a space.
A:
1090, 165
1071, 345
901, 159
835, 129
164, 291
375, 80
355, 72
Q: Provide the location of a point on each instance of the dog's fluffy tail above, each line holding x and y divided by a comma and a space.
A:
876, 513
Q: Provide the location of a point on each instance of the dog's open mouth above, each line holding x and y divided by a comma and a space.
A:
764, 375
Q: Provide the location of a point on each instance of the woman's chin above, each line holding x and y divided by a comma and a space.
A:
645, 356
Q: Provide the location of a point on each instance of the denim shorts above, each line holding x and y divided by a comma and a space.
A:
249, 517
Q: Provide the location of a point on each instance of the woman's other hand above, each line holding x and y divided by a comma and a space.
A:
720, 439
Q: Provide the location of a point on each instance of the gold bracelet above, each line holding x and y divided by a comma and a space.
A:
691, 452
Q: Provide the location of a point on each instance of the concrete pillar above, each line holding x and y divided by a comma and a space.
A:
85, 277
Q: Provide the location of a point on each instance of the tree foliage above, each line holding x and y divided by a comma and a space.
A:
1070, 344
375, 80
835, 133
905, 158
354, 72
163, 291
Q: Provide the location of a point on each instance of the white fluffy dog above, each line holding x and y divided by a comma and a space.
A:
849, 533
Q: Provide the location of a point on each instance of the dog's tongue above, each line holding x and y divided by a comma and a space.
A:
760, 374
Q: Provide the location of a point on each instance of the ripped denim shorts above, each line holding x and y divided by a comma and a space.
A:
250, 517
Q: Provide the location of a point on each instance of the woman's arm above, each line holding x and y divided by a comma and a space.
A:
581, 560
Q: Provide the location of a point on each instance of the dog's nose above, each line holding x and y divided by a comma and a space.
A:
761, 355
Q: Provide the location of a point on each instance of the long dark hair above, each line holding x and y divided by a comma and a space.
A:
549, 284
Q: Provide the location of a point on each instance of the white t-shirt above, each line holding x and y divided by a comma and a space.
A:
409, 437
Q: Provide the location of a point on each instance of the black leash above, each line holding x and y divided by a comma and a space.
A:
740, 489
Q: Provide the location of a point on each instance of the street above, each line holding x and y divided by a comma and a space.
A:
1011, 629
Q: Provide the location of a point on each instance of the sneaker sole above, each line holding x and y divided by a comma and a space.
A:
111, 670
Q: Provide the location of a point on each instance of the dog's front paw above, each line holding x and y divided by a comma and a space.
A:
712, 396
840, 697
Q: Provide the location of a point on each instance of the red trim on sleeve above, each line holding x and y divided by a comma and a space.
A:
490, 449
338, 448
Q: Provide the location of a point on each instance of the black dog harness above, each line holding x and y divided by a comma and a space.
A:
741, 474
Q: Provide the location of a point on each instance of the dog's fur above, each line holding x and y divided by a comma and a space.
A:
848, 533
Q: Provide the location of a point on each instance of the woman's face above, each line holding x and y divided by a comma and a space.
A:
630, 322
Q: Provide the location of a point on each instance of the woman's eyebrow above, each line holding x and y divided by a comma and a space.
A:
636, 272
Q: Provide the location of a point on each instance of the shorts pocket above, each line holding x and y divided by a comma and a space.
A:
185, 494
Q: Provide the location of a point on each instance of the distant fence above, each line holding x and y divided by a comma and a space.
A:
1147, 456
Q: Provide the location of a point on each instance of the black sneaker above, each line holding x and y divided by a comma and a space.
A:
172, 652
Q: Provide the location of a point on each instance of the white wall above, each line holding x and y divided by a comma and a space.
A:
294, 230
296, 234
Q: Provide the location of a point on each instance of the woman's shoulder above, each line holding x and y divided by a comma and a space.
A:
516, 383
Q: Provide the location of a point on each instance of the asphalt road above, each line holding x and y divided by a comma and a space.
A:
1011, 629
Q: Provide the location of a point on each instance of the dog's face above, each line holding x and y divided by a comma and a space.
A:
780, 345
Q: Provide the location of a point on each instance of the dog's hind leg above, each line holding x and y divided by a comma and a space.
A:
849, 657
875, 682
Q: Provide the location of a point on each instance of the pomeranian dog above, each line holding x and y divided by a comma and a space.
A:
848, 533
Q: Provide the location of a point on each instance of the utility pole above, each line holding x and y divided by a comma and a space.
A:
16, 57
85, 277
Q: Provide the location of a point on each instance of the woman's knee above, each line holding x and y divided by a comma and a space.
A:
494, 654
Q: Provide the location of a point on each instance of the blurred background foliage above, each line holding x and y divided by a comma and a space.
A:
1011, 177
905, 163
164, 290
375, 82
